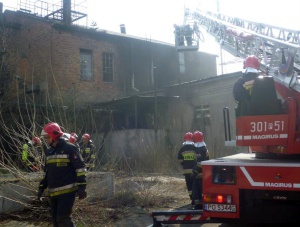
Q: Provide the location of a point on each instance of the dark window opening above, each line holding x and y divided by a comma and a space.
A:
108, 67
86, 72
202, 116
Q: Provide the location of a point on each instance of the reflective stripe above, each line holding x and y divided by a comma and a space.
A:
248, 83
81, 170
199, 175
57, 160
58, 156
81, 174
62, 188
188, 171
62, 192
90, 165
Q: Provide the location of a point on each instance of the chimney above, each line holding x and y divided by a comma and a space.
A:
67, 15
123, 28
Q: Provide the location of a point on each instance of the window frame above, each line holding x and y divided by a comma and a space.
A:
108, 67
202, 115
88, 75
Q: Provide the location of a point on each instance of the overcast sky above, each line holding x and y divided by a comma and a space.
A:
151, 19
154, 19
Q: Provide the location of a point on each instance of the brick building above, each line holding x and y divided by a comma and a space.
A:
67, 63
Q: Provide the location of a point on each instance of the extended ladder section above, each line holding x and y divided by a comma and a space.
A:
243, 38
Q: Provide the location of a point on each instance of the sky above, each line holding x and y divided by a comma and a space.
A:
154, 19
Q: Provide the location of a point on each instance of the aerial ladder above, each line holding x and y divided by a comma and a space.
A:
261, 186
242, 38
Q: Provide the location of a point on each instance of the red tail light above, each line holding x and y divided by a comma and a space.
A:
217, 198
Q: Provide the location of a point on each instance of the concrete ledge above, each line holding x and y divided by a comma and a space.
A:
15, 192
100, 186
18, 192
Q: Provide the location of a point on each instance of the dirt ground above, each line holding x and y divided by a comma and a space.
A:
134, 199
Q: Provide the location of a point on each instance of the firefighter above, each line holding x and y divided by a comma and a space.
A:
73, 139
201, 153
179, 37
87, 150
65, 175
74, 134
31, 154
186, 157
188, 33
243, 86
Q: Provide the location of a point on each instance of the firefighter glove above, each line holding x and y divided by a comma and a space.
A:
81, 193
40, 193
195, 172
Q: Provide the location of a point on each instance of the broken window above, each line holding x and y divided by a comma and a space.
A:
86, 72
202, 116
108, 67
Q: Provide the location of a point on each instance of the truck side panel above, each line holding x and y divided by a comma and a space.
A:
251, 187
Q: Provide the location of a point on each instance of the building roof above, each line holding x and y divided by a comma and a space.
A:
90, 30
149, 96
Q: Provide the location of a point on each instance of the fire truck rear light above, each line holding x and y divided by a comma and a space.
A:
222, 199
207, 198
229, 199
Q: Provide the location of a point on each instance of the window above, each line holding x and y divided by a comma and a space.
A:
181, 62
202, 116
108, 67
224, 174
86, 65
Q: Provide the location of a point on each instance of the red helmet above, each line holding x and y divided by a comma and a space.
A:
251, 64
188, 136
75, 135
52, 129
36, 140
86, 136
72, 139
198, 137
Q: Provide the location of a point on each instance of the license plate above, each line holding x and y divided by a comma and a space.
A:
219, 207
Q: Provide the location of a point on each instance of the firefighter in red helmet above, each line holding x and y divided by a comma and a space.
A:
201, 153
65, 175
242, 88
186, 157
73, 139
75, 135
87, 150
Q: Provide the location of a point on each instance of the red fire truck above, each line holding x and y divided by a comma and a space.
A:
263, 185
